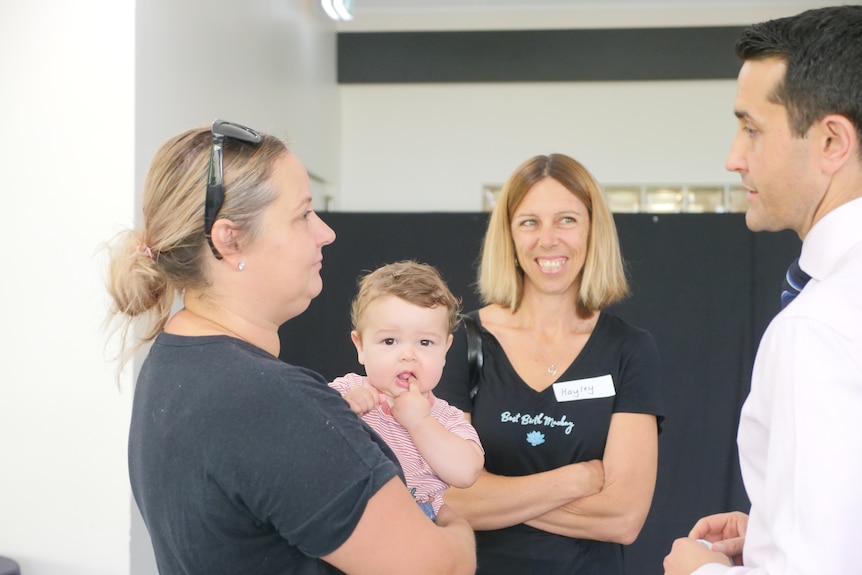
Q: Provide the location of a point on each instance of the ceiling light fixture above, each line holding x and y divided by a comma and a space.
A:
338, 9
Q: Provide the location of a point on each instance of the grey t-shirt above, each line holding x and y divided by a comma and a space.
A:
241, 463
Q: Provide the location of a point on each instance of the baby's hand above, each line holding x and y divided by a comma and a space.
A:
411, 407
362, 399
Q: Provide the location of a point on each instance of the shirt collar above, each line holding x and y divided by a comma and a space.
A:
830, 238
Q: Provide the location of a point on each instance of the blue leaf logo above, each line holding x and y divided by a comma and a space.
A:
535, 438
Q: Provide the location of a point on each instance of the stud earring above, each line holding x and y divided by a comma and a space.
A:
240, 266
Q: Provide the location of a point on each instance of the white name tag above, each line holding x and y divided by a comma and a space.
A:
590, 388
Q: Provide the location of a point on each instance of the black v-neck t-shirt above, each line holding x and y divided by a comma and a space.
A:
524, 432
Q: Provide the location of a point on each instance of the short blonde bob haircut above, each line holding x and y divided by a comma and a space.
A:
419, 284
603, 281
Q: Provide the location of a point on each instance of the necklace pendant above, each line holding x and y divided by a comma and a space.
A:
552, 369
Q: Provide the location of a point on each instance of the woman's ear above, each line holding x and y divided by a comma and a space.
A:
225, 236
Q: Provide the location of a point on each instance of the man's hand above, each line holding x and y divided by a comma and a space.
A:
726, 532
688, 554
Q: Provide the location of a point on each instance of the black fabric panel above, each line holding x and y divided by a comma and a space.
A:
320, 337
586, 55
691, 289
702, 284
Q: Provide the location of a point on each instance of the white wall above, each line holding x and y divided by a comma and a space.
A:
269, 64
67, 162
432, 147
90, 89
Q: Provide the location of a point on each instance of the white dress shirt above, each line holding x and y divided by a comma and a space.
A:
800, 430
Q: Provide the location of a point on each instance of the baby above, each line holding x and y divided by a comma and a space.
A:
403, 318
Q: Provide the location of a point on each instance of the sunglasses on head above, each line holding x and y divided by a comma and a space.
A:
215, 179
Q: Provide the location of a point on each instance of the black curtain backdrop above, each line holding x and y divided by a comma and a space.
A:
702, 284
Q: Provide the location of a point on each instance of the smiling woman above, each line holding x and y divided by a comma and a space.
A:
554, 496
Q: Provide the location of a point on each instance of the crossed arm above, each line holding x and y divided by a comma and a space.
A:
605, 500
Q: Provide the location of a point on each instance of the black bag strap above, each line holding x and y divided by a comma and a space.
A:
474, 352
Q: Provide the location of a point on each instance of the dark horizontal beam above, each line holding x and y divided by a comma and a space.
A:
592, 55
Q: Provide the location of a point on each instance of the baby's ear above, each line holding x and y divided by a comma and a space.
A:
449, 341
357, 343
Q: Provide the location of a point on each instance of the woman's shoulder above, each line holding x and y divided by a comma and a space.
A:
611, 327
227, 356
617, 324
280, 371
492, 317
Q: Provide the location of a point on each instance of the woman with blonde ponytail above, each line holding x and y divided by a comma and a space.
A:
239, 462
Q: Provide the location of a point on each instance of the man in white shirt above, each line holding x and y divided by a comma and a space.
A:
798, 150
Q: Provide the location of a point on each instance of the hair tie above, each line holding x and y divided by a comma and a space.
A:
145, 250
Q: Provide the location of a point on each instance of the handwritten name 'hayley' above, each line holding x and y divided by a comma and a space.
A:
577, 392
540, 419
588, 388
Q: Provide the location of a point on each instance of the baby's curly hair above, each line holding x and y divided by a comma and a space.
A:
417, 283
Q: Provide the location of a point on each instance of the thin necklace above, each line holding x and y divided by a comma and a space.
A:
220, 327
552, 366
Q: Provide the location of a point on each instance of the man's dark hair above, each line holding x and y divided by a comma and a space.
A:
823, 52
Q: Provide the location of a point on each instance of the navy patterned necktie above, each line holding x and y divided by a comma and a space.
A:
794, 280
